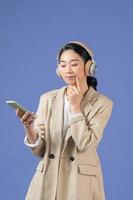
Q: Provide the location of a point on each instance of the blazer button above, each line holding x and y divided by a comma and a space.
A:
72, 158
51, 156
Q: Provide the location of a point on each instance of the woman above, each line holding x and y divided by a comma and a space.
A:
66, 130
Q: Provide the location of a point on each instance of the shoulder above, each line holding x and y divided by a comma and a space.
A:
104, 98
51, 93
104, 102
98, 98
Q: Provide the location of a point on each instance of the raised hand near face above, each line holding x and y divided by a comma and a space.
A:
75, 94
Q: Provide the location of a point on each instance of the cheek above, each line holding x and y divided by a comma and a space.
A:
62, 70
79, 72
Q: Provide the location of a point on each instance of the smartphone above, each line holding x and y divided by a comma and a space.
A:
16, 105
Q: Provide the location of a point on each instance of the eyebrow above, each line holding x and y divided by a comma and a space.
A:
70, 60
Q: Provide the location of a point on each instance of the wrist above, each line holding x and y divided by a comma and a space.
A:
32, 140
29, 127
75, 109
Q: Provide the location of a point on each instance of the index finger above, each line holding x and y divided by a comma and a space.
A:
78, 83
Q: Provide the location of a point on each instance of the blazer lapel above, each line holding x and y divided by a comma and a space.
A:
57, 117
88, 100
86, 106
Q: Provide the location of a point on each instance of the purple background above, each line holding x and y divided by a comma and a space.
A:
31, 32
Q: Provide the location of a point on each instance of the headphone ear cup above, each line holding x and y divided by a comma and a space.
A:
93, 69
87, 67
90, 68
57, 72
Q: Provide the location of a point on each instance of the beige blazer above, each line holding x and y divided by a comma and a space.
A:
69, 168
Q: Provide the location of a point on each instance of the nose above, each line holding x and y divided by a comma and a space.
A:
69, 69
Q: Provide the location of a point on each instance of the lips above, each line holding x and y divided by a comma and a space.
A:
70, 76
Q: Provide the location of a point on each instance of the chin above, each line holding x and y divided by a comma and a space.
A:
72, 82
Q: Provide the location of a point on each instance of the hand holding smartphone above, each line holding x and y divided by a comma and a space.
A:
27, 117
16, 106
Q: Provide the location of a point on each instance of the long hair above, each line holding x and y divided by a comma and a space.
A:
91, 81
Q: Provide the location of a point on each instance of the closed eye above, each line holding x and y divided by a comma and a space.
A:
74, 64
63, 65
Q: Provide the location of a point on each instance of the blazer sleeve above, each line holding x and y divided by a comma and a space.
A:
86, 132
39, 126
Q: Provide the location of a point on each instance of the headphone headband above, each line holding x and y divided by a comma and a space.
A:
89, 50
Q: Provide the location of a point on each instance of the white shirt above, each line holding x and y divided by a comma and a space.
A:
67, 116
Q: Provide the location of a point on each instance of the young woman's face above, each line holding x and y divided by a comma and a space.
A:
70, 66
